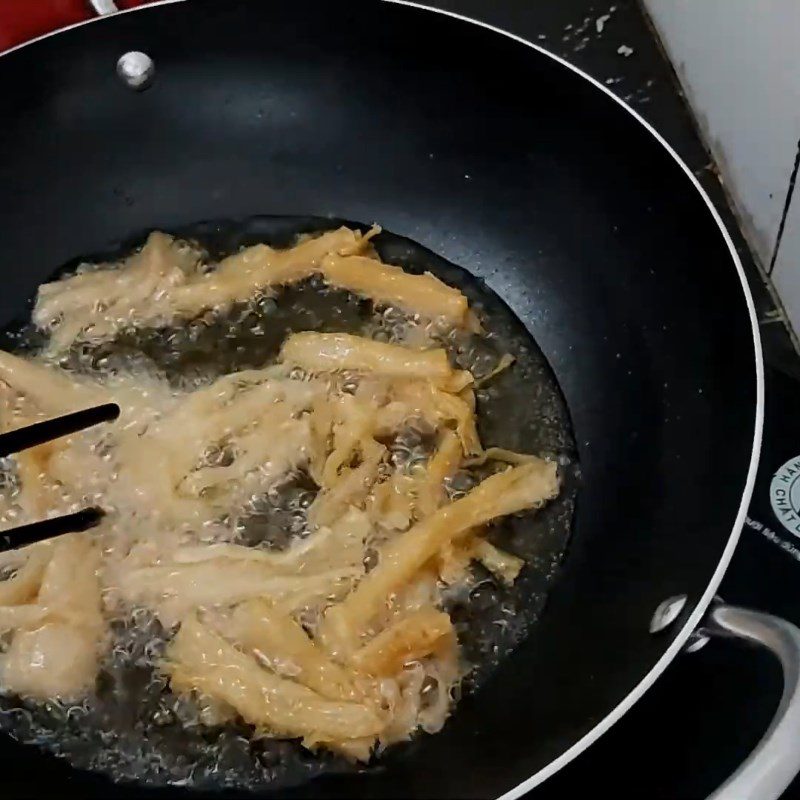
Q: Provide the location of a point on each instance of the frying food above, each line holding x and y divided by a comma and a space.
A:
167, 281
339, 637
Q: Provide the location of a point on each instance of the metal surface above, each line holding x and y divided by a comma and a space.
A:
667, 612
697, 641
136, 70
603, 245
776, 759
103, 7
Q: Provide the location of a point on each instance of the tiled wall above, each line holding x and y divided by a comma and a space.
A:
739, 63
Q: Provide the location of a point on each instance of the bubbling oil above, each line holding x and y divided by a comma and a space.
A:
131, 727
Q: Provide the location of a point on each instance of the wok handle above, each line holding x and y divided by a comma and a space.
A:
103, 7
772, 765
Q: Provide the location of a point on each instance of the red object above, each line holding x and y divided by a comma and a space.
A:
21, 20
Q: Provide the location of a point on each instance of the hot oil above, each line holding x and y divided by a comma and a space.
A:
131, 727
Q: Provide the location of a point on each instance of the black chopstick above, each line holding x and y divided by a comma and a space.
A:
40, 432
48, 528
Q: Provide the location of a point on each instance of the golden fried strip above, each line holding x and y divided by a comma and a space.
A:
100, 302
37, 495
201, 660
24, 585
354, 425
424, 294
60, 657
289, 651
505, 362
328, 352
351, 488
442, 464
70, 584
177, 589
436, 406
53, 660
29, 615
499, 562
162, 282
258, 268
409, 639
516, 489
391, 503
453, 560
53, 391
338, 547
29, 393
499, 454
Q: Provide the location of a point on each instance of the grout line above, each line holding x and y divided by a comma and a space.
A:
786, 205
775, 315
763, 270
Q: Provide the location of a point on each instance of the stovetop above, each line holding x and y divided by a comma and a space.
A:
710, 707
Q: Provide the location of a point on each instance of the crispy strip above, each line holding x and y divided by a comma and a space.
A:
340, 546
53, 660
258, 268
506, 361
96, 305
60, 657
499, 562
436, 406
526, 486
201, 660
17, 558
37, 494
409, 639
441, 465
162, 282
95, 294
24, 586
21, 617
70, 585
355, 424
52, 390
499, 454
391, 503
178, 589
327, 352
419, 294
453, 560
288, 651
351, 488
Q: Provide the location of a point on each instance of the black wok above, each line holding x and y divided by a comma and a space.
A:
505, 161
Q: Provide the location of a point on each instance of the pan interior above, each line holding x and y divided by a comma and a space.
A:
131, 727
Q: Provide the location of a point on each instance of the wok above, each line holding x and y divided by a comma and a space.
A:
510, 163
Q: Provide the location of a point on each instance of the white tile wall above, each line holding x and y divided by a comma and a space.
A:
739, 63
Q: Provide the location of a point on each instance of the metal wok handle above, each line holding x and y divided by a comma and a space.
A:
103, 7
770, 768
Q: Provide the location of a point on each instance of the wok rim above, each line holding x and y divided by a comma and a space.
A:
699, 611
